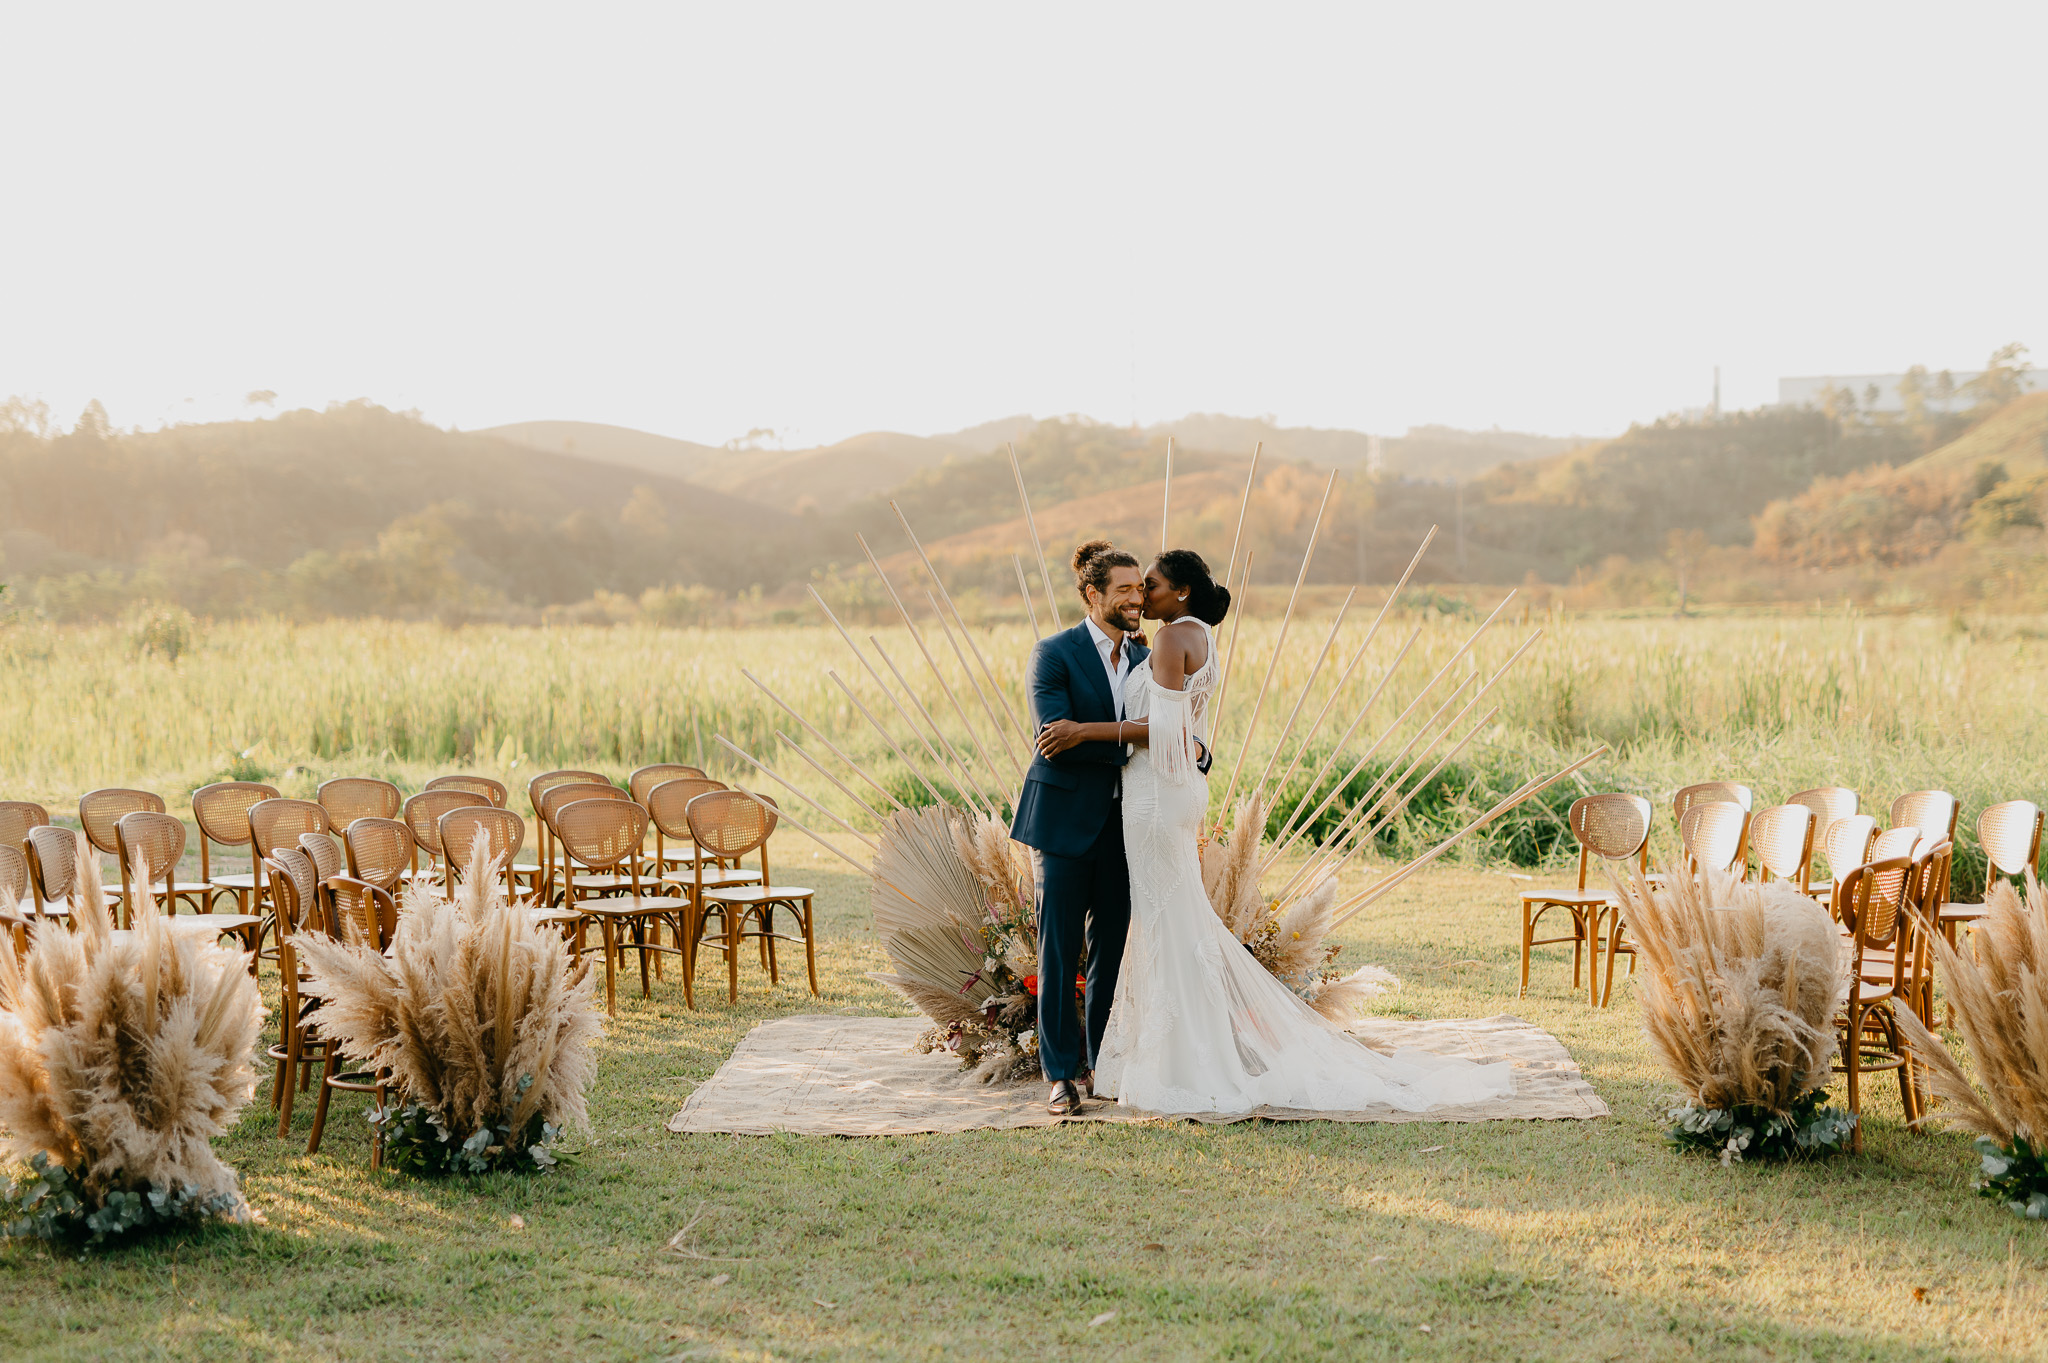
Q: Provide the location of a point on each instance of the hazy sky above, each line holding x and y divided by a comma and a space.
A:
827, 219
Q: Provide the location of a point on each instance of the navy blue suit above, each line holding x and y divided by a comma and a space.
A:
1068, 811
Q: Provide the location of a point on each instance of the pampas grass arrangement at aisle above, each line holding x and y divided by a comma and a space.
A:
1998, 986
1741, 986
122, 1055
483, 1019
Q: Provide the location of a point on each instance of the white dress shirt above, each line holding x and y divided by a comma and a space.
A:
1116, 665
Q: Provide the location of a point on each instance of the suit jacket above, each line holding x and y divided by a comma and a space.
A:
1066, 800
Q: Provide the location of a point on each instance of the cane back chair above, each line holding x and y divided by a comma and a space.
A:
499, 831
348, 798
2010, 834
603, 834
379, 851
1828, 804
557, 797
155, 844
280, 822
422, 815
296, 888
544, 843
1870, 898
16, 908
100, 810
54, 855
1933, 812
1782, 838
488, 791
1715, 835
365, 913
221, 813
672, 845
729, 824
17, 817
642, 783
1612, 828
1847, 844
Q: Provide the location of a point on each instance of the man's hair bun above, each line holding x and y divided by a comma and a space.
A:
1092, 564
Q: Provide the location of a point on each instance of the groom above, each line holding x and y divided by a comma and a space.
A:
1069, 812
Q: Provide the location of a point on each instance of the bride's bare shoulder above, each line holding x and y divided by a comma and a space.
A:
1184, 641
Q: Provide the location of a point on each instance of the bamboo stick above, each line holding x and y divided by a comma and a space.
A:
1009, 751
1363, 710
1250, 475
1306, 687
1428, 686
883, 686
1044, 573
796, 791
961, 621
917, 637
1024, 590
784, 816
1229, 667
1353, 906
858, 770
960, 764
1356, 657
1166, 497
888, 738
798, 749
1394, 813
1258, 705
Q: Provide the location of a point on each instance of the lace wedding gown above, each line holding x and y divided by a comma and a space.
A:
1198, 1025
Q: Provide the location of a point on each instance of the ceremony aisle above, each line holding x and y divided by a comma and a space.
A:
1579, 1239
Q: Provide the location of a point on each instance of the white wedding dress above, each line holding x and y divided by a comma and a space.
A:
1198, 1025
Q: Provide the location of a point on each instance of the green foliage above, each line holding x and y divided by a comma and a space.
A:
417, 1143
2015, 1175
1528, 835
1809, 1129
159, 631
43, 1202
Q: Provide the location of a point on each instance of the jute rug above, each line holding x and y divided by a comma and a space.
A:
857, 1076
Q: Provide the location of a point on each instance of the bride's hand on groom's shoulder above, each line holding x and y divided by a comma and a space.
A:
1056, 736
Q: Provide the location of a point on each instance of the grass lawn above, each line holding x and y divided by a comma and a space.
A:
1580, 1240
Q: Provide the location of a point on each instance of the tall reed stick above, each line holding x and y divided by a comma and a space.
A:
917, 637
784, 816
1302, 699
960, 764
1357, 903
1268, 794
1250, 475
1031, 522
889, 738
1003, 734
883, 687
795, 790
1429, 686
812, 729
1244, 605
965, 633
1024, 590
1286, 621
817, 767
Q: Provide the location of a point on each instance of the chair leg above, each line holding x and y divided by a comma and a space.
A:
377, 1138
811, 946
768, 943
732, 955
611, 997
687, 954
640, 939
1528, 934
1853, 1058
327, 1071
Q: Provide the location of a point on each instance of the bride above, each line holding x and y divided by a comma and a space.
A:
1198, 1026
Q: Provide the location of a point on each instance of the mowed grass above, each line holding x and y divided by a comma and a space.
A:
1578, 1240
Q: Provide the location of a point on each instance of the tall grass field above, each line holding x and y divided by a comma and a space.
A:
1880, 704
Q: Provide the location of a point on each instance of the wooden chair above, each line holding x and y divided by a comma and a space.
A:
423, 813
1782, 838
1828, 804
674, 825
366, 913
1932, 811
53, 855
1870, 898
2010, 834
1715, 836
17, 817
276, 823
17, 910
348, 798
554, 799
729, 824
1713, 792
156, 844
602, 835
501, 831
379, 851
299, 901
648, 777
492, 792
1847, 844
100, 810
544, 846
221, 813
1613, 828
328, 862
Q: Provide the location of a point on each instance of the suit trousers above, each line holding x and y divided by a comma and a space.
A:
1084, 914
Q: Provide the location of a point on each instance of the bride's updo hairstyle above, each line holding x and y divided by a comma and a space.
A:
1184, 570
1092, 562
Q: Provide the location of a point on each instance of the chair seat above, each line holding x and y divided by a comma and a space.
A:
716, 880
182, 887
685, 856
1567, 897
554, 917
1961, 913
243, 881
632, 906
218, 922
1868, 991
758, 894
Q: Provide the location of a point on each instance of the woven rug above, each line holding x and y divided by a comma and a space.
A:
857, 1076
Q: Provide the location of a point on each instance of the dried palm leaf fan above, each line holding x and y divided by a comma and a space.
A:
480, 1014
1998, 985
1740, 992
122, 1055
950, 897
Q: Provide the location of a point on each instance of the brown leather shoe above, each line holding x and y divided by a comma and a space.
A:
1065, 1100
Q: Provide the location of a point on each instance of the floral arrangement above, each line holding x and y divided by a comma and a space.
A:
121, 1056
481, 1016
1998, 987
1740, 993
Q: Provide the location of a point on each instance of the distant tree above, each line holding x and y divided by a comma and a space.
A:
21, 416
261, 397
2004, 378
93, 423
